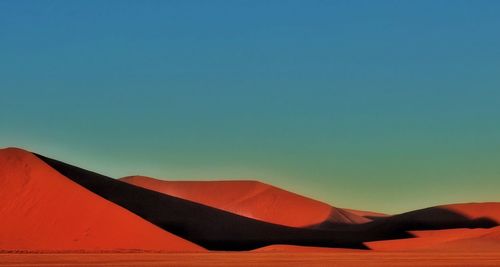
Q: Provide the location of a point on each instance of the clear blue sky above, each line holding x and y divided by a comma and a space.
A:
381, 105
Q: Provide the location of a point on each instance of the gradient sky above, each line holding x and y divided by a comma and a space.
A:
380, 105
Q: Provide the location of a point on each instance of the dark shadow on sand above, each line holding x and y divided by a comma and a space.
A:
216, 229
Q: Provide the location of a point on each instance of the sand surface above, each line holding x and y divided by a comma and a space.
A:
349, 259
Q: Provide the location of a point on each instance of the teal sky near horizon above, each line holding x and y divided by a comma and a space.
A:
379, 105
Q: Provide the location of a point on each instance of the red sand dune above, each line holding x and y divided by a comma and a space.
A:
210, 227
446, 240
457, 239
490, 210
252, 199
41, 210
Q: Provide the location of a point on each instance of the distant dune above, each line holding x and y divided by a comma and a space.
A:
457, 226
252, 199
486, 210
50, 206
41, 210
461, 239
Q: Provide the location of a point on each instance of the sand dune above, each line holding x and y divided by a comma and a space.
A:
488, 210
252, 199
466, 215
446, 240
51, 206
41, 210
212, 228
477, 217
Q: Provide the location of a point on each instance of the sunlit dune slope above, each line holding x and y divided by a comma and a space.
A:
41, 210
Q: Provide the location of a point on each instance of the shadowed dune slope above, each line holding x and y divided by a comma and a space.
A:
490, 210
456, 226
41, 210
461, 239
206, 226
403, 226
466, 215
252, 199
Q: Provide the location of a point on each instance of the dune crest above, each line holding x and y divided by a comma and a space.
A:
252, 199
